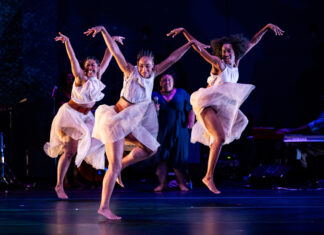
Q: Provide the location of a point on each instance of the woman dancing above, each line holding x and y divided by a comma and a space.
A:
133, 117
219, 120
72, 125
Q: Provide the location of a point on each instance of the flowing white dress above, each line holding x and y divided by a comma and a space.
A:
140, 119
224, 95
78, 126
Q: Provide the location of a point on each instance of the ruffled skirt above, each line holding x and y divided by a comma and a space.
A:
225, 98
139, 119
78, 126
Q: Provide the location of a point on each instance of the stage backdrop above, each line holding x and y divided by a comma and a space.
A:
285, 70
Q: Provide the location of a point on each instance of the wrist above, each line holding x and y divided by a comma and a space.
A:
102, 29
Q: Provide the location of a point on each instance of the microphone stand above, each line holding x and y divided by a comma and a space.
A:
7, 177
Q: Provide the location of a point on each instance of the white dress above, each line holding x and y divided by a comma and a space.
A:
225, 95
140, 119
78, 126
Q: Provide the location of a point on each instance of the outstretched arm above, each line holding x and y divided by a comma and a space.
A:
199, 47
76, 69
125, 67
172, 58
107, 57
187, 35
258, 36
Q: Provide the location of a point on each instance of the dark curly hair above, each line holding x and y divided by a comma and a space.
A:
238, 42
145, 52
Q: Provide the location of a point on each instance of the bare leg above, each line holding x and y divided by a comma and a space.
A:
136, 155
139, 153
214, 126
64, 162
114, 153
161, 172
180, 179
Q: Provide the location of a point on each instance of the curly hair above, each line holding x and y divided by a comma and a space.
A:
145, 52
238, 42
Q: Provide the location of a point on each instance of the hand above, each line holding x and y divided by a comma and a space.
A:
93, 31
61, 38
190, 125
157, 107
199, 45
175, 32
118, 39
275, 29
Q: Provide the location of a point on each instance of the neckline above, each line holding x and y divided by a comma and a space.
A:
169, 97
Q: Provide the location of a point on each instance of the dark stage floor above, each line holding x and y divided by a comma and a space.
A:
235, 211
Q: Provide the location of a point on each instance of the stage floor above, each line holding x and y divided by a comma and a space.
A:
235, 211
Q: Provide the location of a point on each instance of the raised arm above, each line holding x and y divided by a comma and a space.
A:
188, 36
172, 58
125, 67
75, 66
258, 36
199, 47
107, 57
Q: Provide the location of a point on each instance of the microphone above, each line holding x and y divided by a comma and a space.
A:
156, 99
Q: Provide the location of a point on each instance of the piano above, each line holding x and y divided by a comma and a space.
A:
303, 138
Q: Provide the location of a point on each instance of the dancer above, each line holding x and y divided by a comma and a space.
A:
219, 120
133, 117
175, 118
72, 126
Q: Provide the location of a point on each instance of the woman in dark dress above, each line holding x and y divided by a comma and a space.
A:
175, 118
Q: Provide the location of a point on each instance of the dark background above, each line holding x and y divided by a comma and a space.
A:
285, 70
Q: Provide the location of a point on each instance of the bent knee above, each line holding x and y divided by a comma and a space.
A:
69, 154
115, 166
219, 140
207, 110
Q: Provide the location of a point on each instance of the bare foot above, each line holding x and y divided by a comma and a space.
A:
119, 181
183, 188
210, 185
160, 188
60, 192
108, 214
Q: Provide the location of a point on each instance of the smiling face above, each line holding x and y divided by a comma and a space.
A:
90, 68
145, 66
167, 83
228, 54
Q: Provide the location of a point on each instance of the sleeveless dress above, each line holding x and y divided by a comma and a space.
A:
224, 95
140, 119
78, 126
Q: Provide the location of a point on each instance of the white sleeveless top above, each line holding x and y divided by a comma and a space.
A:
137, 89
89, 92
230, 74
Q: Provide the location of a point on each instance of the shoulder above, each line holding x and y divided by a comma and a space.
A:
181, 91
155, 93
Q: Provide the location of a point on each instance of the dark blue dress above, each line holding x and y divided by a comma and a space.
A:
173, 131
